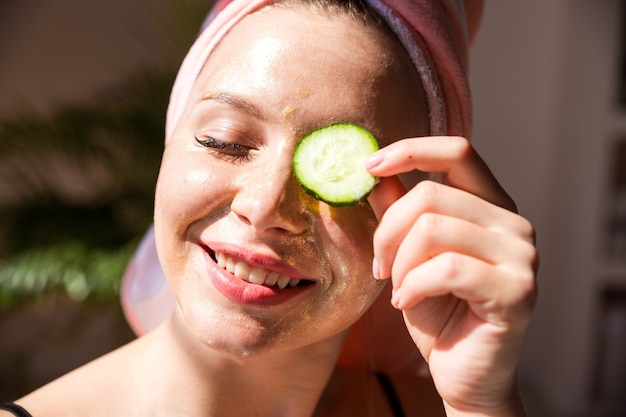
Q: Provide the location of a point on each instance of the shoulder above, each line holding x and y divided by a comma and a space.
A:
84, 391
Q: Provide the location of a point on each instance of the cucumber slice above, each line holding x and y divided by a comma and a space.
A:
329, 163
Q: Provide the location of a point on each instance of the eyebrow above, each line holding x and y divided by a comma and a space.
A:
237, 102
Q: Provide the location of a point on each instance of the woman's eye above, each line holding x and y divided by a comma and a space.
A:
227, 150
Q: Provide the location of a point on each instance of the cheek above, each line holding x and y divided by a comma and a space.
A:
186, 191
185, 184
348, 233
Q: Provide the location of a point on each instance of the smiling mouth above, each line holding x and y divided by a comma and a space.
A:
255, 274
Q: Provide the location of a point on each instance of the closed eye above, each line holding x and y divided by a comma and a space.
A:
225, 150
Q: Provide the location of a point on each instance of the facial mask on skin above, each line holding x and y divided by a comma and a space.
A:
436, 35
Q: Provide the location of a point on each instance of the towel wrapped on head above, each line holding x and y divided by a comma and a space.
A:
437, 35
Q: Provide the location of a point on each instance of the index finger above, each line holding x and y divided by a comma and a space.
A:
453, 156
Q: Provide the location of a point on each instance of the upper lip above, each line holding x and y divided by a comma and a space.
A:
268, 262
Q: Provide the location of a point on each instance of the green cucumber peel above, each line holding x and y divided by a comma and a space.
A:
329, 164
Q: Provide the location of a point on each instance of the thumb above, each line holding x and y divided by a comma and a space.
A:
386, 192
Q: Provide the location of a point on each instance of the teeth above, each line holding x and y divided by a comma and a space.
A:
272, 278
230, 265
242, 271
283, 281
221, 260
254, 275
257, 276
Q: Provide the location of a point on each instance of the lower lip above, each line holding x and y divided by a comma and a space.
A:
244, 292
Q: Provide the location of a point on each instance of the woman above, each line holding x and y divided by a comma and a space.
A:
228, 211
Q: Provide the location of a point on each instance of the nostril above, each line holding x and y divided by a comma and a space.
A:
286, 216
243, 219
271, 201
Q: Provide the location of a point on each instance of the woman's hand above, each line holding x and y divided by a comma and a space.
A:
463, 266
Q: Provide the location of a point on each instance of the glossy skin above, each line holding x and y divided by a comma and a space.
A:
462, 262
260, 94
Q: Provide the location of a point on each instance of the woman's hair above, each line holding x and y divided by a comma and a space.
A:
357, 10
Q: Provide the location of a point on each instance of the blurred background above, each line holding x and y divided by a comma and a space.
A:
83, 90
548, 79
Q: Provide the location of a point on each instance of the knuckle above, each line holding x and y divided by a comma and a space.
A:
460, 148
525, 291
528, 293
428, 227
529, 256
426, 194
526, 230
527, 281
449, 265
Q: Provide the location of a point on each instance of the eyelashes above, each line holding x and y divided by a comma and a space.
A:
225, 150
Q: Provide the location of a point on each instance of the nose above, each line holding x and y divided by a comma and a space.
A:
270, 199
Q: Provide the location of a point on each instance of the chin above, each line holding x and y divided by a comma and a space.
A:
234, 333
243, 337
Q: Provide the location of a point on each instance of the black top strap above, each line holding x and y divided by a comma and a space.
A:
15, 409
392, 396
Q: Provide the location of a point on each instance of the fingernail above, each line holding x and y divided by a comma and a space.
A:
374, 160
376, 269
395, 297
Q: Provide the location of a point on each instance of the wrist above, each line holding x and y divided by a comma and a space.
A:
512, 407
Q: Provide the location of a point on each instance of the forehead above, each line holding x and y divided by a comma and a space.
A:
295, 23
291, 57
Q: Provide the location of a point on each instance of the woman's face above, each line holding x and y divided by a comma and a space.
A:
256, 263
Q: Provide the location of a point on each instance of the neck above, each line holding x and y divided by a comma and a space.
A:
197, 380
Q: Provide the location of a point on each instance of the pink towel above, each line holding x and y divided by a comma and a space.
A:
436, 34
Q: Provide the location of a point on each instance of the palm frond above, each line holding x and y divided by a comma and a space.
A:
71, 268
